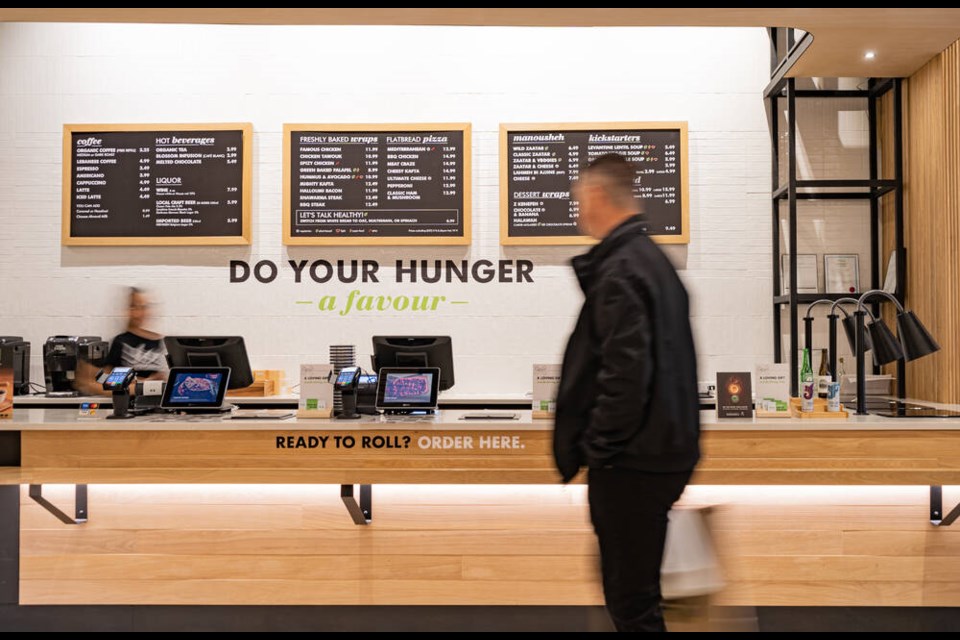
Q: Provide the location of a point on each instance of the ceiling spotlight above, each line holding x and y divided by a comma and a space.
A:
869, 55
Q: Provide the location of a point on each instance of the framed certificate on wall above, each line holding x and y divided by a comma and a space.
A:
841, 273
808, 276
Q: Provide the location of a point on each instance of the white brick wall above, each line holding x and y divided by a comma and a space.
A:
55, 74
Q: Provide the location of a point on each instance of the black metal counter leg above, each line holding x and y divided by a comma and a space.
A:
36, 494
361, 513
9, 544
937, 518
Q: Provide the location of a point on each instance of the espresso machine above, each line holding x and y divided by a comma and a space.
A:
15, 353
61, 354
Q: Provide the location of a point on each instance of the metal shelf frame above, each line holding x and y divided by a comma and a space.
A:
784, 51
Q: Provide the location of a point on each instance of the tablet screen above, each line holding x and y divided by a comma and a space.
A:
413, 388
196, 387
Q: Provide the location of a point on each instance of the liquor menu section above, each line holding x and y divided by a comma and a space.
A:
157, 184
539, 163
377, 184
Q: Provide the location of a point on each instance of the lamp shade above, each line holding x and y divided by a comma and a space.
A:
850, 328
886, 347
916, 340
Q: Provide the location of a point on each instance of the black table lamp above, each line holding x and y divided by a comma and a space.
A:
913, 340
849, 327
808, 323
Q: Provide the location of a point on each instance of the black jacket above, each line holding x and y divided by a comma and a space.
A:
628, 386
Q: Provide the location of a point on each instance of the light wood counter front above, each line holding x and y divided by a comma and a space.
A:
56, 447
213, 512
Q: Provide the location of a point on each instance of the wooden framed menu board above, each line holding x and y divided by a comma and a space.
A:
157, 184
538, 163
376, 184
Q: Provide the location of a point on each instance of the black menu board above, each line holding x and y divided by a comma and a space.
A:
390, 184
156, 184
538, 163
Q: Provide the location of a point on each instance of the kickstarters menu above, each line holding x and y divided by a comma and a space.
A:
377, 185
540, 163
157, 186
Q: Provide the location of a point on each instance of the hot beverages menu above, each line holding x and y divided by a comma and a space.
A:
144, 185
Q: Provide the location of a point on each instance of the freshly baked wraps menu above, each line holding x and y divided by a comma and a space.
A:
361, 184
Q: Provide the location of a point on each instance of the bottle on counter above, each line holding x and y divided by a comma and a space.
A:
823, 375
841, 371
833, 397
808, 387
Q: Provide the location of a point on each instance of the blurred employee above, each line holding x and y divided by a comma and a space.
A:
137, 347
627, 406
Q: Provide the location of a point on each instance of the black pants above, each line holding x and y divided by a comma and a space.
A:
629, 513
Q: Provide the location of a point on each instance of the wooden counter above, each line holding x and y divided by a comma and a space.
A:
57, 447
205, 511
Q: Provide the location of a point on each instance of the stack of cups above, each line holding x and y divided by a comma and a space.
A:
341, 355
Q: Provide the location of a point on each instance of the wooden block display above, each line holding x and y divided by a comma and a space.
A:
819, 410
259, 389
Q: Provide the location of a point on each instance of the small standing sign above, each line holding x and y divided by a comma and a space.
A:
773, 390
546, 380
734, 395
316, 391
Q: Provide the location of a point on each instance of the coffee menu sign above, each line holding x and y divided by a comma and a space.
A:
383, 184
160, 184
539, 163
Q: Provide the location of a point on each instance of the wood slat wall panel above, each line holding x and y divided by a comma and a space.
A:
932, 218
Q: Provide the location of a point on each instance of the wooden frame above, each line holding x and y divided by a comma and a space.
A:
507, 128
465, 239
247, 188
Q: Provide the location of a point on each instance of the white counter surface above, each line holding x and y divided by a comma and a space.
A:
59, 419
285, 401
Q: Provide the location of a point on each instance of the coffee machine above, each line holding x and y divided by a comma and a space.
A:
15, 352
61, 355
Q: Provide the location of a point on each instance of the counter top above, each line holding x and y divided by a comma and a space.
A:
59, 419
281, 401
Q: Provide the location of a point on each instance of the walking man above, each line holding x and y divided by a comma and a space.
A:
627, 407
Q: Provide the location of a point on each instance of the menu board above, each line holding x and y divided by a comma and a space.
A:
395, 184
539, 162
176, 184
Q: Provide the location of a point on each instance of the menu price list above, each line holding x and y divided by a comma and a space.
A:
156, 184
386, 184
543, 165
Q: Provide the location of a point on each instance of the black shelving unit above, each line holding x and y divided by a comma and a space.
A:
784, 52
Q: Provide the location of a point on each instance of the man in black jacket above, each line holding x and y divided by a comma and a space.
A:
627, 406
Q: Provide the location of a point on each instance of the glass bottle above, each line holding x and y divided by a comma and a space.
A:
823, 375
807, 384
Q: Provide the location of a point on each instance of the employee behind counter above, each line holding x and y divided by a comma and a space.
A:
137, 347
